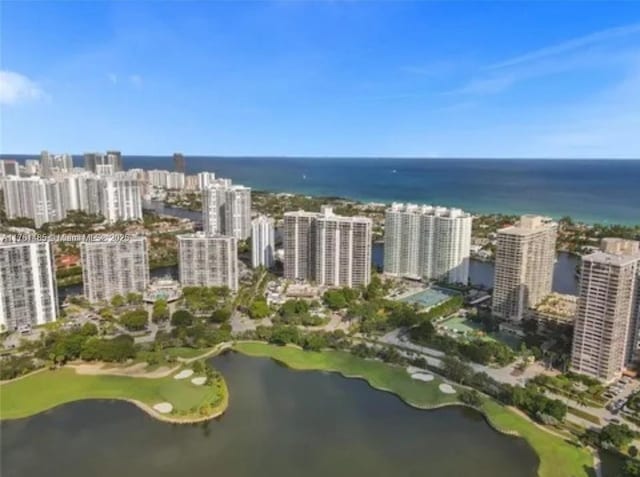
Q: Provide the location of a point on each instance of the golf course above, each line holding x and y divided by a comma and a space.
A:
558, 457
47, 389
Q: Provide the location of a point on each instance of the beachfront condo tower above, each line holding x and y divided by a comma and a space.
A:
327, 249
425, 242
525, 255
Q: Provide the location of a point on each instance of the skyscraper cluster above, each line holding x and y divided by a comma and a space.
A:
525, 255
327, 249
51, 164
116, 197
426, 242
103, 164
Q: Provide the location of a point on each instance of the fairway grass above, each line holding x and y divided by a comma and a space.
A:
558, 457
45, 390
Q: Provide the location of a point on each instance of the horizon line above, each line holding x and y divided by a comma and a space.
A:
325, 157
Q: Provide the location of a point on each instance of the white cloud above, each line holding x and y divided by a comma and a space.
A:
569, 46
599, 50
16, 88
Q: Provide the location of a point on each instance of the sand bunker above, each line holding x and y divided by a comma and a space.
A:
184, 374
414, 370
447, 389
163, 407
199, 381
422, 377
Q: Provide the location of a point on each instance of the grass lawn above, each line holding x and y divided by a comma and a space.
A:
377, 374
558, 458
49, 389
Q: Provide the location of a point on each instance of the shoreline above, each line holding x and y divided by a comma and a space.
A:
171, 418
543, 448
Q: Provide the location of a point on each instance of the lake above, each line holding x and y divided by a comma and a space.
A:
280, 423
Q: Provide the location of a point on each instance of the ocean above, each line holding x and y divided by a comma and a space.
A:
592, 191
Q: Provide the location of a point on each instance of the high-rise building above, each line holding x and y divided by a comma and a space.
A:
226, 210
114, 267
606, 325
158, 178
32, 167
191, 182
28, 292
175, 180
207, 260
35, 198
327, 249
205, 179
55, 163
525, 256
91, 160
121, 197
45, 164
115, 158
9, 168
262, 242
432, 243
82, 191
299, 241
103, 164
179, 163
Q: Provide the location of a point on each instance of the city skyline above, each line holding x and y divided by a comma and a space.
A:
324, 79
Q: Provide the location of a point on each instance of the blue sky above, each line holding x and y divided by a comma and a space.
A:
329, 78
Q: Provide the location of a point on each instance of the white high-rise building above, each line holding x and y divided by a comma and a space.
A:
327, 249
432, 243
205, 179
299, 241
262, 242
605, 332
158, 178
28, 292
175, 180
121, 198
226, 210
114, 267
50, 164
35, 198
525, 256
207, 260
32, 167
82, 191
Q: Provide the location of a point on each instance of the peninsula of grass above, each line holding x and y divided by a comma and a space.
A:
51, 388
558, 457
